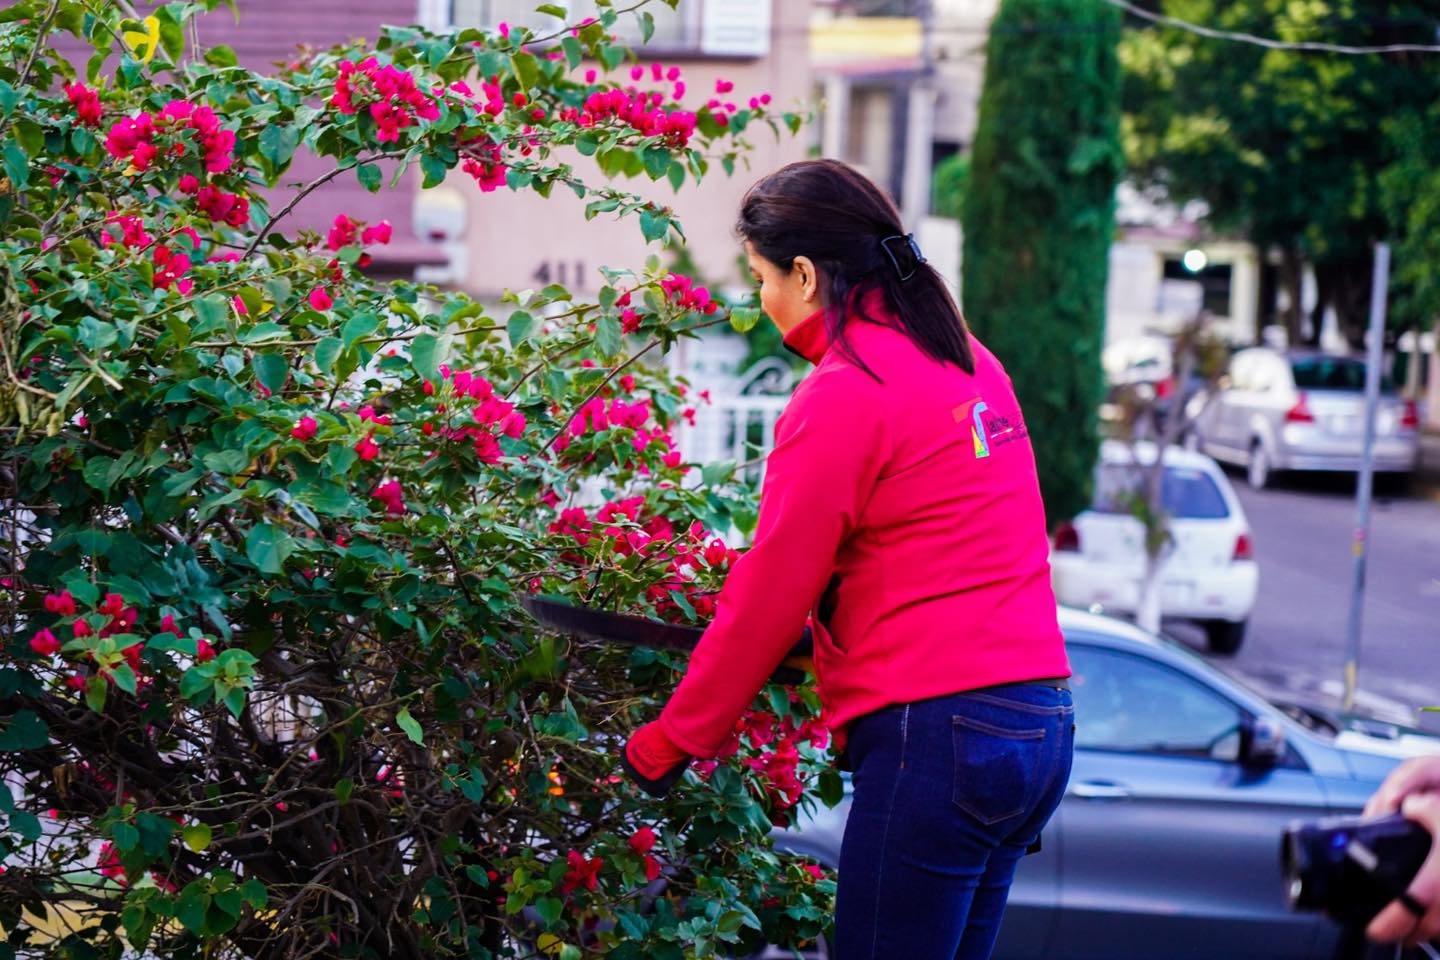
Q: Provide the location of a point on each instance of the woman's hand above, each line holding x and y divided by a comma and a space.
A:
1412, 789
653, 761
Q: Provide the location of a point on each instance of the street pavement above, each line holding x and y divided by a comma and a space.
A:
1303, 535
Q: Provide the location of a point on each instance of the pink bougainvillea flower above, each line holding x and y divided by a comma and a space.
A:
204, 650
582, 873
167, 625
86, 103
189, 184
379, 233
367, 448
390, 494
45, 643
320, 299
642, 840
304, 428
723, 86
62, 603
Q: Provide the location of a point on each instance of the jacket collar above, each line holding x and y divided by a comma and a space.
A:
810, 338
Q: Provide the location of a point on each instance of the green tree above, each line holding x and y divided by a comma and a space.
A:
948, 186
1285, 147
1038, 222
267, 688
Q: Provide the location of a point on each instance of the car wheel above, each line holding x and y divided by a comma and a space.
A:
1258, 472
1224, 636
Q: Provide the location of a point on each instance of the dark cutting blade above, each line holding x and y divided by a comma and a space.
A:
638, 631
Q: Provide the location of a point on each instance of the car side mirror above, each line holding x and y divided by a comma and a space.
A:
1262, 743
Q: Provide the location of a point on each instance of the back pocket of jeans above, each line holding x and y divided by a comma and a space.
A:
994, 768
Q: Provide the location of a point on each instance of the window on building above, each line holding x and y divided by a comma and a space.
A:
739, 28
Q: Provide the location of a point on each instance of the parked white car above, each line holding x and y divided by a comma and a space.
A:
1210, 575
1301, 410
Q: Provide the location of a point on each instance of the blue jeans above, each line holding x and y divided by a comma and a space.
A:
949, 793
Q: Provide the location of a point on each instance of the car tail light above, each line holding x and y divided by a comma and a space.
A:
1067, 538
1244, 549
1410, 419
1300, 413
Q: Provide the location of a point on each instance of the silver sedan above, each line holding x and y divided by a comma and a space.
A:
1301, 410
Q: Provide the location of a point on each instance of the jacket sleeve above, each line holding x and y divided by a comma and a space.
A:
831, 445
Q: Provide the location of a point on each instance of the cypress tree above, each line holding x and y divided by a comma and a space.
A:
1038, 216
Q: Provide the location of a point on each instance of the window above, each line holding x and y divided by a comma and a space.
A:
1331, 373
1130, 704
1187, 493
709, 27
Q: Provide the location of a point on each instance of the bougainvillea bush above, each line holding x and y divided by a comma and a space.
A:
267, 688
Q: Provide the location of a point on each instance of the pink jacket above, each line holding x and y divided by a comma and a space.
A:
906, 517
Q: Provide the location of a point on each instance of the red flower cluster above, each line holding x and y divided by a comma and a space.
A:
390, 494
134, 138
86, 103
230, 208
305, 428
582, 873
344, 232
169, 268
779, 764
682, 291
642, 842
640, 111
394, 101
132, 232
483, 162
492, 416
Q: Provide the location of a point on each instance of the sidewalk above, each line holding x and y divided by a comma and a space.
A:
1427, 476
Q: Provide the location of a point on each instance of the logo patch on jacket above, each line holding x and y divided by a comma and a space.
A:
987, 428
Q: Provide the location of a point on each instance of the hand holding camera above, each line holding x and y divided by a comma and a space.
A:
1413, 790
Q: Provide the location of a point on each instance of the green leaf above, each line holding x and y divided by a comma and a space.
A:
221, 56
278, 143
521, 327
434, 170
548, 909
325, 353
657, 162
425, 356
211, 310
369, 176
124, 677
573, 54
197, 836
26, 731
8, 98
743, 319
654, 225
608, 336
268, 547
527, 71
647, 25
31, 136
271, 370
343, 789
832, 787
357, 327
125, 836
96, 689
16, 163
172, 35
410, 725
255, 894
553, 9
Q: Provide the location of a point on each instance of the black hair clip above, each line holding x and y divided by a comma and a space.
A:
909, 240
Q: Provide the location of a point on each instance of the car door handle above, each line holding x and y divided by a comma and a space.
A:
1100, 790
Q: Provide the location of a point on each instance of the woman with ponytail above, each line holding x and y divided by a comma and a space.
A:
901, 515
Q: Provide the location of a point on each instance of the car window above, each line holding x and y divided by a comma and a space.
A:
1126, 703
1188, 493
1331, 373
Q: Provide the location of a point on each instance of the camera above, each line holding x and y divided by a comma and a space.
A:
1351, 867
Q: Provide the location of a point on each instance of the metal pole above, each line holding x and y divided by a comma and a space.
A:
1373, 358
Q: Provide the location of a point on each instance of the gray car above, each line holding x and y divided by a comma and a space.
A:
1167, 842
1301, 410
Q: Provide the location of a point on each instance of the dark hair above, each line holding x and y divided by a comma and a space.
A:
829, 212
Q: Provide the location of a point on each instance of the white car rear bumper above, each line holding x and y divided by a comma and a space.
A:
1222, 593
